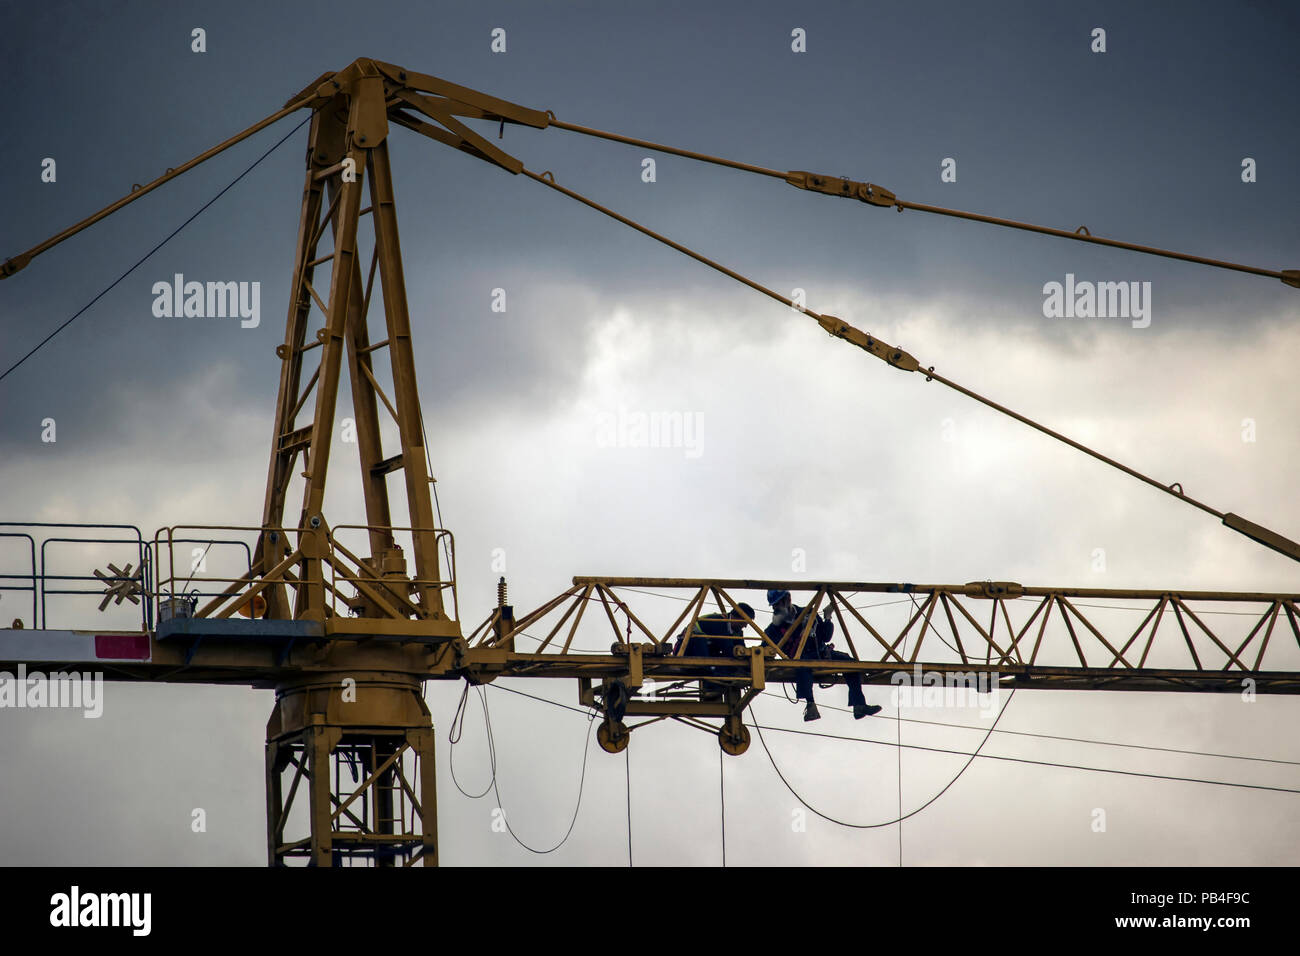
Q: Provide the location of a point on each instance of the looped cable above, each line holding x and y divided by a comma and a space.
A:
453, 738
454, 735
902, 816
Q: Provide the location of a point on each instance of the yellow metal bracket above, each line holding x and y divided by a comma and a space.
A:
835, 186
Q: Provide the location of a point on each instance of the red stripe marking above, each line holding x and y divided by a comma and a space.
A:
133, 647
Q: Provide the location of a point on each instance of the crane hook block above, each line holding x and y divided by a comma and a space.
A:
835, 186
887, 353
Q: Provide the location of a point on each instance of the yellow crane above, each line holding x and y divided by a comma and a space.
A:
346, 622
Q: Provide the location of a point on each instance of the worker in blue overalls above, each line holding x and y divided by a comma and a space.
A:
818, 646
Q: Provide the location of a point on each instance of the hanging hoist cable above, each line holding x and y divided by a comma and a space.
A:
722, 793
902, 816
453, 737
898, 739
627, 769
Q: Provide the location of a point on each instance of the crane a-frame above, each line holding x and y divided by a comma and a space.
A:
347, 622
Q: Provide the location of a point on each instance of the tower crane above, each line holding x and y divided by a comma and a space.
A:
347, 622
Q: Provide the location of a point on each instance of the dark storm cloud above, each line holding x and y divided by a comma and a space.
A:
1143, 143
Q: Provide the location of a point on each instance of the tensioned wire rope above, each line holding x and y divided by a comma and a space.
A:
900, 359
141, 261
882, 197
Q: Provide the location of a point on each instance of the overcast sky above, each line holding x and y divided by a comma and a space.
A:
804, 442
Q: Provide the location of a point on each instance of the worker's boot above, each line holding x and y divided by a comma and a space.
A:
810, 712
865, 710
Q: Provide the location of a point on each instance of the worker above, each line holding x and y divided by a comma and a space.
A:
724, 644
818, 646
716, 635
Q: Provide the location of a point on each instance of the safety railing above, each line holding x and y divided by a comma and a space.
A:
62, 561
221, 584
180, 590
366, 575
80, 575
